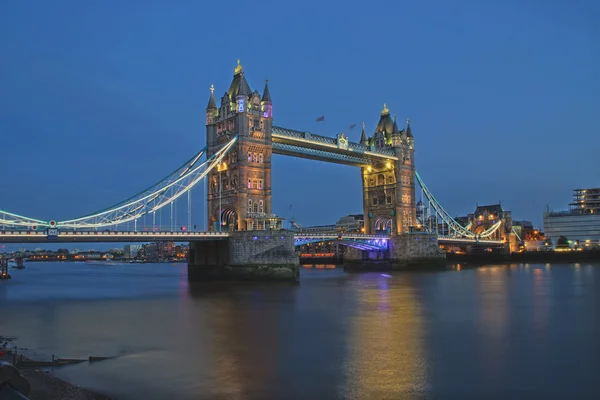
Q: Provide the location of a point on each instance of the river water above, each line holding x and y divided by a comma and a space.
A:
518, 331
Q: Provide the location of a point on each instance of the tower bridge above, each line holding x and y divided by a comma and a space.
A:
236, 166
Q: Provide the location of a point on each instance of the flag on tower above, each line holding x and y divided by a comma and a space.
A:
321, 118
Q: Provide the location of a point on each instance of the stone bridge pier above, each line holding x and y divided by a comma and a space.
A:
245, 255
404, 251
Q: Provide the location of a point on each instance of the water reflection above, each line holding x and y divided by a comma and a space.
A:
518, 331
385, 356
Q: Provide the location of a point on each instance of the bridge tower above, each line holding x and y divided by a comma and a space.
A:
239, 195
389, 187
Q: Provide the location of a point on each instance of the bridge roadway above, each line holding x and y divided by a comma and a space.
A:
148, 236
163, 236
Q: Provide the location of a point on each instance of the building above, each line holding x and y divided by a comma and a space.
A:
131, 250
485, 217
580, 224
351, 223
525, 231
389, 188
239, 195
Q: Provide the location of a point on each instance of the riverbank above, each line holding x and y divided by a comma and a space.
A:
526, 257
44, 385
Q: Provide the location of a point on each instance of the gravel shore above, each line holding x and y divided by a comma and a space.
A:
44, 385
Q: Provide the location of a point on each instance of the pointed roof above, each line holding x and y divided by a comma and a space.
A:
395, 130
239, 84
266, 94
363, 135
408, 130
212, 104
385, 124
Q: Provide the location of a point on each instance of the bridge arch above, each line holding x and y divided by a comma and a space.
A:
229, 220
383, 225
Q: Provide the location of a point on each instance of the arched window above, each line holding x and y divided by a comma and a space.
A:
260, 158
380, 180
249, 157
253, 157
249, 183
390, 179
261, 207
249, 206
255, 208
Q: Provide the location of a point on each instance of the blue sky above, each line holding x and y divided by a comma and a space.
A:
100, 99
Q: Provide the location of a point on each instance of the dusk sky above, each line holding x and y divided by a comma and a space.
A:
99, 99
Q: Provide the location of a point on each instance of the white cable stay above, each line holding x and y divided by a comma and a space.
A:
154, 198
7, 218
147, 201
454, 226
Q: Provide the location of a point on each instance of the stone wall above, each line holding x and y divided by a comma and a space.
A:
245, 255
262, 247
404, 251
416, 249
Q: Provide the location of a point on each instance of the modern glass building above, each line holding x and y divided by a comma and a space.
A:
581, 223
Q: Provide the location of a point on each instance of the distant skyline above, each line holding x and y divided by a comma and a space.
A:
99, 100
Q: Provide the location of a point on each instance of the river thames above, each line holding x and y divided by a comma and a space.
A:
496, 332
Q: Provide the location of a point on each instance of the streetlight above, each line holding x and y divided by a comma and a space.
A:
221, 167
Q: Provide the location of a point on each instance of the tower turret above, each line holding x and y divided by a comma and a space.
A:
396, 134
409, 136
385, 126
266, 103
363, 136
211, 109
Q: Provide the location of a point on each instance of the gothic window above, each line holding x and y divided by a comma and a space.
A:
249, 157
249, 183
260, 158
255, 208
256, 123
261, 207
253, 157
380, 180
249, 206
254, 184
388, 199
260, 183
390, 179
374, 201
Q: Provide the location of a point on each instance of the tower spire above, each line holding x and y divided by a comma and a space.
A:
408, 130
212, 104
238, 69
385, 110
363, 136
395, 129
266, 94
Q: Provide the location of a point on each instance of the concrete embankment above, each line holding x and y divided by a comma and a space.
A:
44, 385
527, 257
